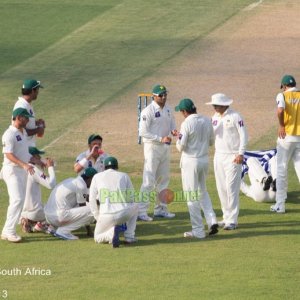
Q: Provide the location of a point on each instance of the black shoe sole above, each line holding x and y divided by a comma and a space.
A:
115, 239
267, 183
213, 229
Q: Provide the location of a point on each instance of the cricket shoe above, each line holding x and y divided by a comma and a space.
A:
279, 208
163, 213
267, 181
230, 226
65, 235
213, 229
221, 223
145, 218
50, 230
14, 238
189, 234
40, 227
129, 241
117, 230
116, 239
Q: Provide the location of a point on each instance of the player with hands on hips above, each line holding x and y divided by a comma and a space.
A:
288, 142
196, 135
30, 91
93, 157
15, 171
230, 144
156, 126
33, 216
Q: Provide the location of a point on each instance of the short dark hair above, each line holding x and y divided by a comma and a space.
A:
111, 167
94, 137
28, 91
192, 111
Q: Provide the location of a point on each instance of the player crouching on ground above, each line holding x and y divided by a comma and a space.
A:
117, 211
33, 216
66, 208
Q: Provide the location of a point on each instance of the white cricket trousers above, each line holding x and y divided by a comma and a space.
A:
15, 179
256, 174
156, 173
193, 174
71, 219
285, 152
109, 217
228, 180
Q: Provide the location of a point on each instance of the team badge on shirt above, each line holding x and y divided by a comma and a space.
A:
157, 114
31, 112
241, 123
144, 118
43, 176
19, 138
214, 123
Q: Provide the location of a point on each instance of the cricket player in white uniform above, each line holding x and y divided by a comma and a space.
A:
30, 91
288, 142
157, 123
15, 170
114, 191
66, 209
93, 157
195, 137
262, 186
33, 216
230, 144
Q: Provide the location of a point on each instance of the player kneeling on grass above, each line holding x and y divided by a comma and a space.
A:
66, 208
117, 211
33, 216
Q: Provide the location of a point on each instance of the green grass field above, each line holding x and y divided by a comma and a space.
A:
87, 53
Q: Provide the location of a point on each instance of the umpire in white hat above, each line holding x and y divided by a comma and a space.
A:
230, 144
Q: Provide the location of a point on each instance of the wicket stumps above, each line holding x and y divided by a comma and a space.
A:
142, 103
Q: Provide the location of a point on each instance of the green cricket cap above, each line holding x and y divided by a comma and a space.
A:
89, 172
110, 162
185, 104
30, 84
21, 112
94, 137
34, 151
159, 89
288, 80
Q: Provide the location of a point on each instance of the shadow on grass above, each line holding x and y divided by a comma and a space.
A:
170, 231
293, 197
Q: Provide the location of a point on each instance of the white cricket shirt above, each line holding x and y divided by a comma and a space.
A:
156, 123
15, 141
230, 132
196, 135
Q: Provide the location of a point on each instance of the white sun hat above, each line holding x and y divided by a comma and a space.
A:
220, 99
